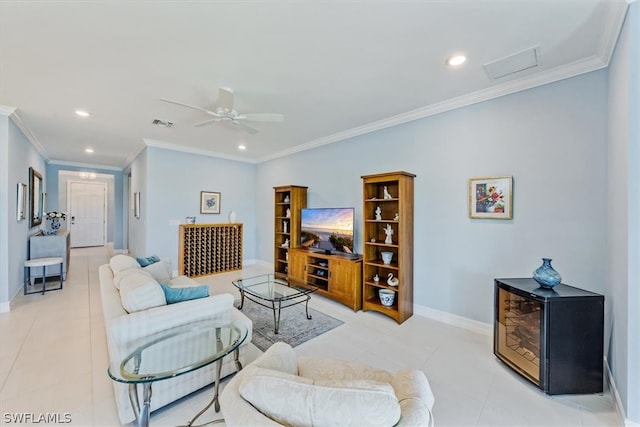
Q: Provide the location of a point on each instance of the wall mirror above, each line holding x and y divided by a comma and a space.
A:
35, 197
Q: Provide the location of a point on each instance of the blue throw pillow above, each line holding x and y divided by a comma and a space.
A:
147, 261
173, 295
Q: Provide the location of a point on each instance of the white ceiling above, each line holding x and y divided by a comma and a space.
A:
334, 68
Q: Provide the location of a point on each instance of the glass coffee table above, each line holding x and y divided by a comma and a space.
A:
175, 352
269, 291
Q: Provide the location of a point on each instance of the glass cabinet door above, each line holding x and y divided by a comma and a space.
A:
518, 329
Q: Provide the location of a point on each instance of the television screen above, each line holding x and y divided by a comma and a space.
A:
327, 229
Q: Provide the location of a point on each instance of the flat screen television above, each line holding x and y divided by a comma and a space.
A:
327, 229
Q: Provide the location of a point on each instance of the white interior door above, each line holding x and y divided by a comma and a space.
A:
87, 213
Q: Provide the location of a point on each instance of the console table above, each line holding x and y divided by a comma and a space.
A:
56, 245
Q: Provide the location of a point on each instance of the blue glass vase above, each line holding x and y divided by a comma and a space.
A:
545, 275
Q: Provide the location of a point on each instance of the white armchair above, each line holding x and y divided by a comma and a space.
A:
279, 388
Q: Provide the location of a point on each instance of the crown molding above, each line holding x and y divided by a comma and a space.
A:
576, 68
6, 110
85, 165
139, 149
17, 120
616, 14
200, 152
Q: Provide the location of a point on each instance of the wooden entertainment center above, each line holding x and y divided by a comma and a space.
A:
338, 277
355, 280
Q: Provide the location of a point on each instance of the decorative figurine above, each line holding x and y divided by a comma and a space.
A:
288, 213
392, 281
386, 194
286, 198
376, 278
396, 217
284, 226
378, 213
389, 232
285, 244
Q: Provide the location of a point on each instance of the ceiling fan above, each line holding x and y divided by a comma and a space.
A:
224, 111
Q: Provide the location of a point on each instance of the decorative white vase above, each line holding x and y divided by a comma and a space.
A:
232, 217
386, 257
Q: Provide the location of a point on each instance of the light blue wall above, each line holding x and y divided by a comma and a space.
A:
171, 192
552, 139
623, 222
115, 202
17, 156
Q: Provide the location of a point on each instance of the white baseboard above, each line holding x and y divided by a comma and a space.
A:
257, 262
615, 397
5, 307
453, 319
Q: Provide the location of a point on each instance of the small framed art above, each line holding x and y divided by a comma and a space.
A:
136, 204
491, 198
209, 202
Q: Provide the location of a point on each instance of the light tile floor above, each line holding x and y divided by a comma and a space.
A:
53, 360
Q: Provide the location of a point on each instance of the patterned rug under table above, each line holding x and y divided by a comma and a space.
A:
294, 329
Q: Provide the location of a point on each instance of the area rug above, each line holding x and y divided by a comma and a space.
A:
294, 329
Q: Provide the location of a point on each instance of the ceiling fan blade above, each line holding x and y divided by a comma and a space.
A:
249, 129
207, 122
261, 117
225, 98
187, 105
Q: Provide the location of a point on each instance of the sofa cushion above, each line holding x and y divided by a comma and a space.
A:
161, 271
293, 400
148, 260
182, 282
174, 295
122, 262
140, 292
117, 278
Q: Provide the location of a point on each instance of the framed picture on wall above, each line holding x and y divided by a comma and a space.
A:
136, 204
491, 198
209, 202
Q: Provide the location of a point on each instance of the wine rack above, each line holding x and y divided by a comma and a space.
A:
209, 249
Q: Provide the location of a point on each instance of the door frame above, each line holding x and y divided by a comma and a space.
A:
105, 200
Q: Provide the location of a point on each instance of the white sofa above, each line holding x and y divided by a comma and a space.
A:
123, 283
279, 388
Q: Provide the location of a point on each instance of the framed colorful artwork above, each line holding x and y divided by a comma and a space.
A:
491, 198
209, 202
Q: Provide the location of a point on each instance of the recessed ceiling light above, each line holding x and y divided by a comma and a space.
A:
82, 113
88, 150
456, 60
242, 147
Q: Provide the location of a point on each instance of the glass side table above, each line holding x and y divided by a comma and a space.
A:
175, 352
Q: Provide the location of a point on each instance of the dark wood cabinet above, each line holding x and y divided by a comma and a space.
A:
552, 337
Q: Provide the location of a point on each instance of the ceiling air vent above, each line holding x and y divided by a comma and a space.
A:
162, 123
511, 64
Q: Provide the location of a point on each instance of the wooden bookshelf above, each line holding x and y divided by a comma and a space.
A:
396, 212
291, 199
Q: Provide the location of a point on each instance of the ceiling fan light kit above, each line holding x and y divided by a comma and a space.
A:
225, 112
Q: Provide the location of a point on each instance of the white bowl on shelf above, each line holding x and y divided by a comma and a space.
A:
387, 296
386, 257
